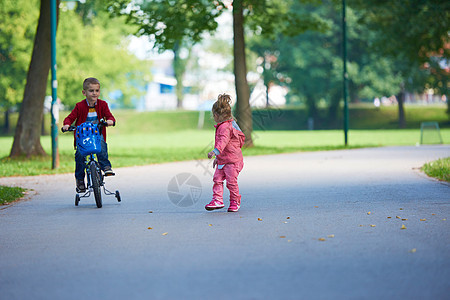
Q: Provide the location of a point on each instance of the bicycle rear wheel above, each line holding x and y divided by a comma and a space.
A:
96, 185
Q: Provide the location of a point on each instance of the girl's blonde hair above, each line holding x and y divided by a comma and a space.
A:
222, 107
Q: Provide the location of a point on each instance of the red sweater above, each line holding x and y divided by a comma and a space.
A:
80, 112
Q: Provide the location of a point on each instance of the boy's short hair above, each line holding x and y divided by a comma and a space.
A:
88, 81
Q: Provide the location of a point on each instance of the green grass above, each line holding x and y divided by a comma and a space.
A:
142, 138
362, 116
10, 194
160, 147
439, 169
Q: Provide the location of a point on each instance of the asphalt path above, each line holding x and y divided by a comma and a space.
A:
350, 224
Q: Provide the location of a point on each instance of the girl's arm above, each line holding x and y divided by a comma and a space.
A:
223, 136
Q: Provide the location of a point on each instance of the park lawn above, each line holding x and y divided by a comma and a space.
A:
142, 149
439, 169
152, 148
10, 194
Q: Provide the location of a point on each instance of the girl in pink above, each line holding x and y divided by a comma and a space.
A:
229, 140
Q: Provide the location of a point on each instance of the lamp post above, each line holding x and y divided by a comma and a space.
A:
345, 75
54, 107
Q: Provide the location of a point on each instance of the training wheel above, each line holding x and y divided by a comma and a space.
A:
77, 199
118, 196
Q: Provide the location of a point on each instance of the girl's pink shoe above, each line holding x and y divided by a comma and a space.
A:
234, 206
214, 204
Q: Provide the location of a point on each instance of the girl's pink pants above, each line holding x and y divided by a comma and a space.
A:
229, 172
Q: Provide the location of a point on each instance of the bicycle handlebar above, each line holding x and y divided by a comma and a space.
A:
71, 128
102, 123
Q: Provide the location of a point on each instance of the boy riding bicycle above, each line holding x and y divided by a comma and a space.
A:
91, 109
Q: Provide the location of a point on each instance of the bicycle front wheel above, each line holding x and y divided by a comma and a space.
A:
96, 185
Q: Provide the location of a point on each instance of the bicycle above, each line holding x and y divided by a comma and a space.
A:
88, 147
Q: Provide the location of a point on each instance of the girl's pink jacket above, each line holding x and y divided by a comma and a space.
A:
229, 141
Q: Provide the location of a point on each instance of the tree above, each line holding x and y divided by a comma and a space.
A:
243, 112
179, 66
18, 21
310, 64
415, 34
27, 137
83, 51
170, 22
90, 43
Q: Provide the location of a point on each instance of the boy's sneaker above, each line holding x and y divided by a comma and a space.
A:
214, 204
108, 171
81, 188
234, 206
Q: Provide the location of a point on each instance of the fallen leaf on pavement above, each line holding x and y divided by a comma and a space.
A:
404, 219
369, 213
321, 239
259, 219
423, 219
330, 235
371, 225
397, 217
165, 233
413, 250
150, 228
282, 236
403, 226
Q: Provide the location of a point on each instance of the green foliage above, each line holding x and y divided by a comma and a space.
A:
150, 148
97, 47
10, 194
439, 169
170, 22
310, 64
360, 117
89, 43
414, 33
18, 19
413, 28
158, 137
270, 18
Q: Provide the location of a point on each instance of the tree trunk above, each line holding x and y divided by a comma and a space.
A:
178, 68
6, 126
448, 108
243, 112
312, 107
28, 131
43, 129
401, 109
333, 109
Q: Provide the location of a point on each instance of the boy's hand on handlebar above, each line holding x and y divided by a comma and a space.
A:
65, 128
106, 122
211, 154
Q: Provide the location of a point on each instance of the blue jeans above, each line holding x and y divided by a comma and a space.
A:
80, 161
